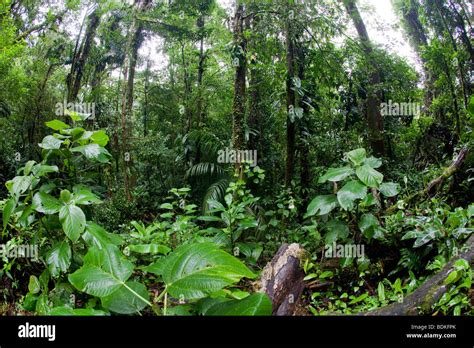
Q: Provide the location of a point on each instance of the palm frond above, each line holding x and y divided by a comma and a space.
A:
215, 192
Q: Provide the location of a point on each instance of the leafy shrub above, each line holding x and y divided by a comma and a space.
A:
82, 258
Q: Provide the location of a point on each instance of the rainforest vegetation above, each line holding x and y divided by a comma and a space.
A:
236, 157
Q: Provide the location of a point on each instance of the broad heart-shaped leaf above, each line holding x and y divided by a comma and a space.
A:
76, 116
50, 143
253, 305
321, 205
351, 191
83, 196
46, 204
59, 258
19, 184
125, 300
373, 162
41, 169
357, 156
336, 174
389, 189
95, 235
195, 271
73, 221
369, 176
336, 229
370, 226
57, 125
100, 137
93, 152
104, 271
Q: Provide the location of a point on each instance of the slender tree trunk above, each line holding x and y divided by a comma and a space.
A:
199, 104
74, 78
145, 92
290, 103
303, 129
255, 93
239, 61
417, 35
374, 117
135, 39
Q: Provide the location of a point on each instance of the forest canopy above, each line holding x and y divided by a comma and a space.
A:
240, 157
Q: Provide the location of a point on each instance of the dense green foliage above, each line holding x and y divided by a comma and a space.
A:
116, 124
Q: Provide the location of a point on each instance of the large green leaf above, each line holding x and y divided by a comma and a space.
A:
321, 205
93, 152
8, 209
104, 271
149, 249
59, 258
253, 305
34, 285
73, 221
57, 125
125, 299
370, 226
95, 235
336, 230
389, 189
28, 166
336, 174
100, 137
351, 191
373, 162
369, 176
19, 184
50, 143
83, 196
196, 270
357, 156
46, 204
41, 169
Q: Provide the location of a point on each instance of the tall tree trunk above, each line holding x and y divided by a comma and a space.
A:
255, 115
239, 61
303, 129
463, 32
290, 103
417, 35
145, 97
135, 38
374, 117
199, 104
74, 78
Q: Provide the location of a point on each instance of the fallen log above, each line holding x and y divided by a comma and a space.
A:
422, 299
435, 184
282, 279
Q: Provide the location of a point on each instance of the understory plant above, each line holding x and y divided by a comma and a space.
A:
87, 270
